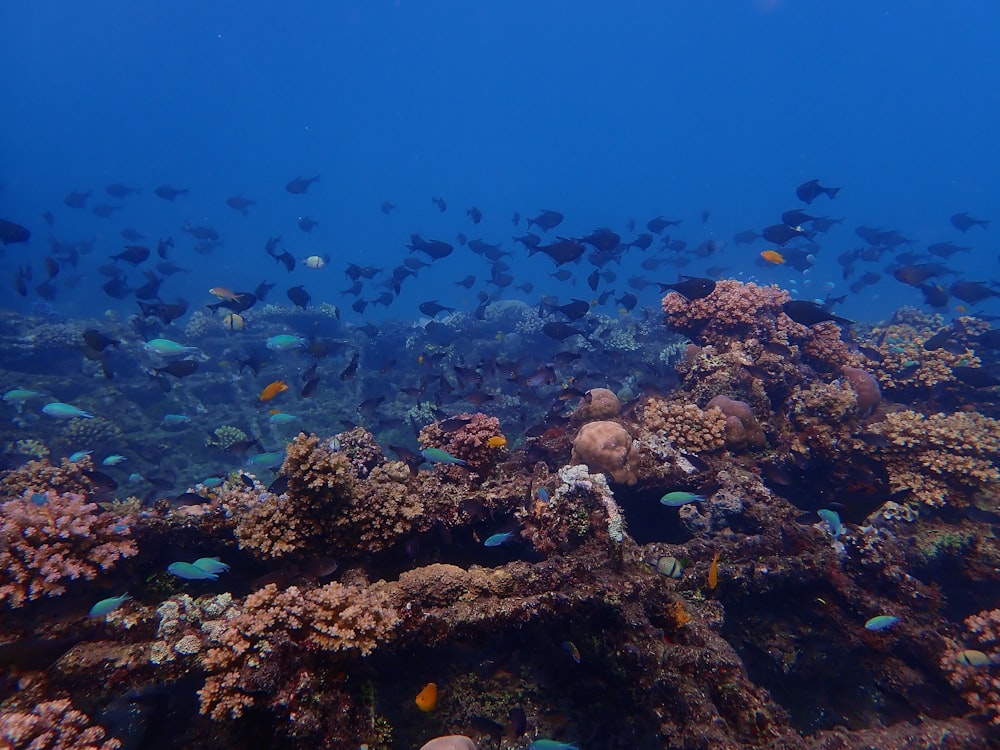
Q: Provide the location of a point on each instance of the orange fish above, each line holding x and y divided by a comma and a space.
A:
773, 256
227, 294
427, 699
713, 572
272, 390
497, 441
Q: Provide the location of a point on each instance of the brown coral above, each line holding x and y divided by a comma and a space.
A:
596, 404
732, 311
687, 427
607, 448
53, 725
42, 476
470, 442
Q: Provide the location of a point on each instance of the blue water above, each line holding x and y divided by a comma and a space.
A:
603, 112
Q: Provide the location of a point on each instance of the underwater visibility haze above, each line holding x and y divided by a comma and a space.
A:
499, 375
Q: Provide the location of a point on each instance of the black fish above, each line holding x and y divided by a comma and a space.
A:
46, 290
657, 225
306, 224
963, 221
563, 251
441, 203
76, 199
916, 275
356, 272
370, 405
262, 289
169, 193
546, 220
117, 288
180, 369
151, 288
299, 296
977, 377
467, 282
387, 207
972, 292
946, 249
436, 249
309, 388
253, 360
104, 211
475, 214
603, 239
239, 203
432, 308
989, 339
300, 185
628, 301
168, 268
795, 217
11, 233
781, 234
691, 287
132, 235
642, 241
134, 254
811, 190
809, 313
529, 240
98, 341
351, 369
573, 310
560, 331
117, 190
746, 237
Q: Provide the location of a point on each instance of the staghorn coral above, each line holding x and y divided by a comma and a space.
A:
733, 311
30, 447
52, 725
275, 626
47, 544
606, 447
943, 458
42, 476
468, 442
686, 426
980, 686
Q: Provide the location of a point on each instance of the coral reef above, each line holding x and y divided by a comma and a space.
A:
469, 442
687, 427
597, 404
50, 540
42, 476
606, 447
978, 682
733, 311
53, 725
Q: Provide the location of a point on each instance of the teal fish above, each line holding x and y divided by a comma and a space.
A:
79, 456
438, 456
678, 498
285, 342
881, 622
542, 494
266, 460
37, 498
105, 606
282, 418
190, 572
211, 565
832, 519
113, 460
212, 482
175, 420
544, 744
670, 567
497, 539
60, 410
167, 348
136, 478
573, 650
20, 395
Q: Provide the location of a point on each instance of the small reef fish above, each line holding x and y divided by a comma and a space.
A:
678, 498
542, 494
497, 539
136, 478
234, 322
227, 294
167, 348
670, 567
60, 410
79, 456
713, 572
212, 482
106, 606
284, 342
773, 256
832, 519
573, 650
266, 460
497, 441
427, 698
190, 572
282, 418
544, 744
438, 456
174, 420
113, 460
272, 390
314, 262
881, 622
973, 658
211, 565
19, 395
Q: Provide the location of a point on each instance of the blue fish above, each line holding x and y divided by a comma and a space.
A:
832, 519
106, 606
544, 744
113, 460
190, 572
497, 539
678, 498
79, 456
213, 482
174, 420
38, 498
438, 456
881, 622
210, 565
266, 460
60, 410
542, 494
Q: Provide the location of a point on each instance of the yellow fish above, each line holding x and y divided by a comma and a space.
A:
272, 390
713, 572
497, 441
427, 699
773, 256
227, 294
234, 322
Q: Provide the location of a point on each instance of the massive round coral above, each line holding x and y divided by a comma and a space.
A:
607, 448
